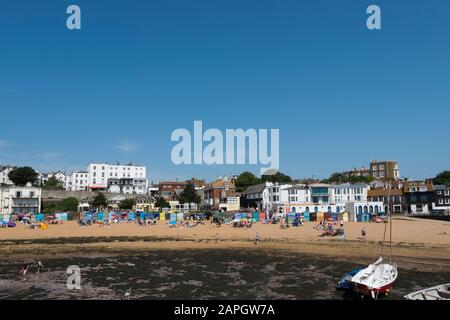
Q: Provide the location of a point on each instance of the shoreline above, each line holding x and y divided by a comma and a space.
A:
416, 243
409, 256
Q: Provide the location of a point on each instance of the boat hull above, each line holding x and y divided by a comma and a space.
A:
367, 291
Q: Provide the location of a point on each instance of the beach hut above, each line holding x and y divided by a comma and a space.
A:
180, 216
306, 216
255, 216
320, 216
39, 217
291, 217
365, 217
100, 216
262, 216
345, 217
173, 217
162, 216
63, 216
131, 216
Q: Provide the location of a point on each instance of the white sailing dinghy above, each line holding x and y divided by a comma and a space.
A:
379, 277
441, 292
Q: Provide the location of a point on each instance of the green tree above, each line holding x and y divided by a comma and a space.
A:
338, 177
68, 204
50, 208
442, 178
21, 176
189, 195
161, 203
245, 180
53, 183
99, 201
127, 204
277, 177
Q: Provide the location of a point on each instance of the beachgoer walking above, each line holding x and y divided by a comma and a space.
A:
363, 232
217, 237
257, 238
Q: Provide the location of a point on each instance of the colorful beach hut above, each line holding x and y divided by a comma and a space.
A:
320, 216
306, 216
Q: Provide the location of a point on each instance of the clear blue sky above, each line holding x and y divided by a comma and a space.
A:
340, 94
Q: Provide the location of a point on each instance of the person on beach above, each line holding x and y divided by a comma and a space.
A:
217, 237
24, 269
363, 233
257, 238
39, 266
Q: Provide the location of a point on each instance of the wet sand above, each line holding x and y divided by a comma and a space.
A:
417, 242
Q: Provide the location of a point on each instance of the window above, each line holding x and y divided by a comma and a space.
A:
447, 192
447, 201
18, 194
439, 192
441, 201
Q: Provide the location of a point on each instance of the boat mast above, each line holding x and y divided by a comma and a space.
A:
390, 221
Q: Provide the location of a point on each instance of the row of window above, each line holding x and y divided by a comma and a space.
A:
348, 190
19, 194
378, 167
446, 192
117, 168
447, 201
385, 199
378, 175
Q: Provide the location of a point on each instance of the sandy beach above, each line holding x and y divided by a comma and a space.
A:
414, 240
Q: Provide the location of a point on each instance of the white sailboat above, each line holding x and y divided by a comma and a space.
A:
379, 277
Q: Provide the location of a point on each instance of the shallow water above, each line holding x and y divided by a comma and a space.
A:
198, 274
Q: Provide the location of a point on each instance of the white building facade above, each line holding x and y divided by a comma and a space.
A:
4, 172
323, 198
19, 200
77, 181
118, 178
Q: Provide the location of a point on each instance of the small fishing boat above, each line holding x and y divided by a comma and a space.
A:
346, 281
441, 292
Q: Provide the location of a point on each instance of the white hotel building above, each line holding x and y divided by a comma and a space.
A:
129, 179
330, 198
